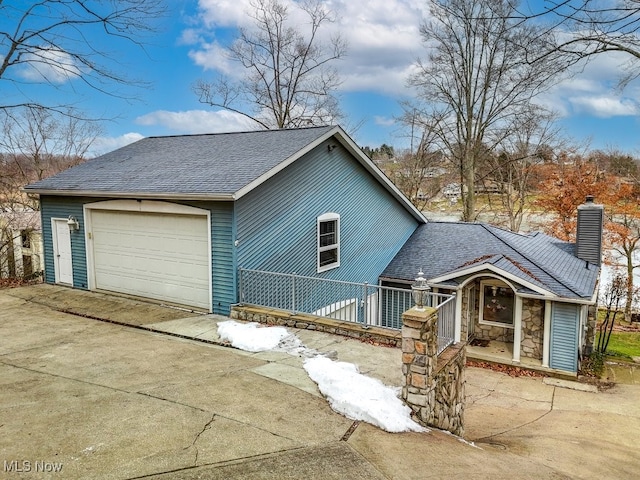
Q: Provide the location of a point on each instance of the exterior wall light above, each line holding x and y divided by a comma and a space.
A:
73, 224
420, 291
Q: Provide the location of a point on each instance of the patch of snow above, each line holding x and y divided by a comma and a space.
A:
349, 393
359, 397
252, 337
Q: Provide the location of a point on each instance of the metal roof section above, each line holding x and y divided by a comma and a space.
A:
539, 263
222, 166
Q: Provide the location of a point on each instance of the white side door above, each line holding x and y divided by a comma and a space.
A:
62, 262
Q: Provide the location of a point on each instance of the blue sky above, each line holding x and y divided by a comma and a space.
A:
383, 43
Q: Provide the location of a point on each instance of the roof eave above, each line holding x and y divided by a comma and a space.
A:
133, 194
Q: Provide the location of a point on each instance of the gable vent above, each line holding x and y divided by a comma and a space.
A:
589, 232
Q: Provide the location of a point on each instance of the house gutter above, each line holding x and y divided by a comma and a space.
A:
145, 195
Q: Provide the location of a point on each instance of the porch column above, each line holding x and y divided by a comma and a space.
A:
457, 330
546, 339
517, 329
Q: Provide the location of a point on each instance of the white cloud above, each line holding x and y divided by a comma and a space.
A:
197, 121
604, 106
103, 145
50, 65
382, 35
223, 13
594, 91
383, 121
212, 56
189, 36
384, 42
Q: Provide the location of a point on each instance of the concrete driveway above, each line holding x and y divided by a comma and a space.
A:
81, 398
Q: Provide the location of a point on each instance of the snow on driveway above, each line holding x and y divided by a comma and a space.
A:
349, 393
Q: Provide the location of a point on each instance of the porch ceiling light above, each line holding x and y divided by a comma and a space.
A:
73, 224
420, 291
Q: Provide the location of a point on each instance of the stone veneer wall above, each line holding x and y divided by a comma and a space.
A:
493, 332
532, 328
434, 385
382, 336
590, 340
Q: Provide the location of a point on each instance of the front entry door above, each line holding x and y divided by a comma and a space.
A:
62, 252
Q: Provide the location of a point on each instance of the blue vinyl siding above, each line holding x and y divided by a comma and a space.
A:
224, 271
223, 262
276, 222
565, 320
62, 207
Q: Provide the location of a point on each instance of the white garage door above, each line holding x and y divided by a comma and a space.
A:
159, 256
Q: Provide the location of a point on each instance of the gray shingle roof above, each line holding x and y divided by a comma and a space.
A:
442, 248
214, 164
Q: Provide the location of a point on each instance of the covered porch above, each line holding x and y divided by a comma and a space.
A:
501, 324
502, 353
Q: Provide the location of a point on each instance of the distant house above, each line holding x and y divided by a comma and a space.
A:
452, 190
21, 253
179, 218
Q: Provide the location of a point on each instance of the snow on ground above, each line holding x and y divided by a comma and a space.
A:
359, 397
349, 393
252, 337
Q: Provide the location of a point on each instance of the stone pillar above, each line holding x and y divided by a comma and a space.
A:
419, 357
433, 389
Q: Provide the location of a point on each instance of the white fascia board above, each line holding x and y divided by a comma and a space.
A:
145, 195
548, 296
497, 271
146, 206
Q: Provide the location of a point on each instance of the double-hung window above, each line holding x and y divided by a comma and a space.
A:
328, 241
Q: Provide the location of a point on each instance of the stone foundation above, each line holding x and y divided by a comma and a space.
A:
381, 336
493, 332
590, 339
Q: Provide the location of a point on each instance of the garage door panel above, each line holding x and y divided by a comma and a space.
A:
165, 257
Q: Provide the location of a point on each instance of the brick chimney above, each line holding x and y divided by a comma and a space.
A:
589, 231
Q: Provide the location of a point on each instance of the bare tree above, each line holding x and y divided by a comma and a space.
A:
476, 84
612, 297
512, 169
52, 43
288, 80
587, 28
418, 172
36, 143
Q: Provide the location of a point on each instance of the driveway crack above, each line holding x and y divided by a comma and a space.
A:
508, 430
206, 427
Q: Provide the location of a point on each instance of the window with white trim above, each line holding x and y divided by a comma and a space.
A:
328, 241
496, 303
